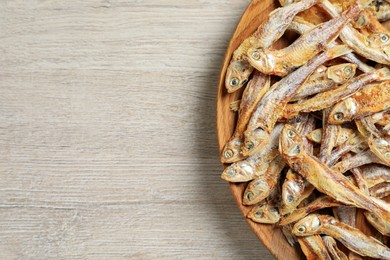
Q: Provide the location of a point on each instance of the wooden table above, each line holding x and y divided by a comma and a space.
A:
107, 134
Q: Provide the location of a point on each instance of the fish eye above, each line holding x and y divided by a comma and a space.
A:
234, 82
259, 213
348, 70
290, 199
338, 116
301, 229
249, 145
255, 55
231, 172
228, 154
249, 195
387, 155
384, 37
290, 133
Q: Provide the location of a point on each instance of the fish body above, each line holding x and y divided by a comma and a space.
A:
265, 213
356, 160
367, 101
330, 97
322, 177
283, 61
375, 174
333, 250
343, 134
359, 42
317, 204
261, 187
257, 164
314, 248
325, 78
251, 96
271, 106
270, 31
350, 237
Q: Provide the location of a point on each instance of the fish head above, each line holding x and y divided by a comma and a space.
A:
290, 142
261, 61
307, 226
265, 214
237, 75
238, 172
343, 111
315, 135
255, 139
231, 151
379, 39
291, 194
256, 191
341, 73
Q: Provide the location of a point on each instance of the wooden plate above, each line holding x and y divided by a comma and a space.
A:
271, 236
255, 14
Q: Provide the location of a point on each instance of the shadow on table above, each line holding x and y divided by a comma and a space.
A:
216, 192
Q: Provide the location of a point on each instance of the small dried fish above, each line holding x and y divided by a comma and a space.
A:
357, 160
319, 203
333, 250
350, 237
255, 165
271, 106
326, 78
322, 177
368, 101
358, 41
374, 174
314, 248
381, 190
261, 187
251, 96
265, 213
278, 21
343, 134
281, 62
332, 96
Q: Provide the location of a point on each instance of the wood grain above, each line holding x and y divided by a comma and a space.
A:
107, 131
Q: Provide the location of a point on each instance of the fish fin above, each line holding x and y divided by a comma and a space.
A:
337, 51
235, 105
384, 73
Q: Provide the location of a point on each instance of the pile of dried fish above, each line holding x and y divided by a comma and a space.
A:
312, 139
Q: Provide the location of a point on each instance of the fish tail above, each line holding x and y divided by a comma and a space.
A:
337, 51
384, 73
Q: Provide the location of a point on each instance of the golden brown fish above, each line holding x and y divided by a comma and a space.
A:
281, 62
333, 250
314, 248
369, 100
381, 148
265, 213
255, 165
261, 187
326, 78
358, 41
270, 31
319, 203
251, 96
271, 106
330, 97
350, 237
322, 177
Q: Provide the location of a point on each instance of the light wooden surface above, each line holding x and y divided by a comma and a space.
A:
107, 131
255, 14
